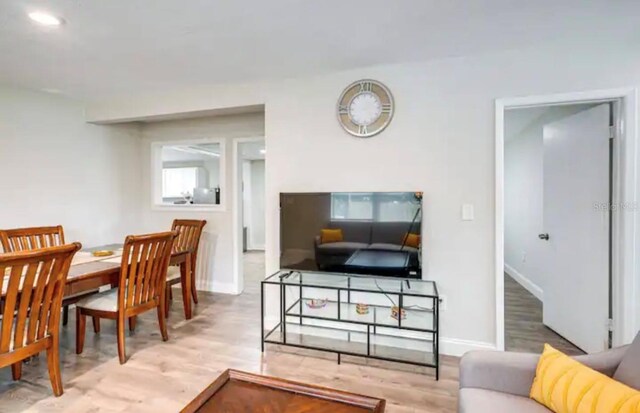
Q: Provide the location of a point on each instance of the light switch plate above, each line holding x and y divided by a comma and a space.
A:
467, 212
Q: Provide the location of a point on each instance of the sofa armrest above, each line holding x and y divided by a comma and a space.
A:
504, 372
513, 373
316, 241
606, 362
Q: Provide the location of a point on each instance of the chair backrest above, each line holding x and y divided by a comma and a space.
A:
32, 284
23, 239
189, 232
143, 273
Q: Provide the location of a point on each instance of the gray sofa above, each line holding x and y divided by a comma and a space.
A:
496, 382
384, 236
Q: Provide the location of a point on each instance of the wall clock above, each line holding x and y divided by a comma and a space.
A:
365, 108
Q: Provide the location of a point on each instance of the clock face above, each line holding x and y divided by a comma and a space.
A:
365, 108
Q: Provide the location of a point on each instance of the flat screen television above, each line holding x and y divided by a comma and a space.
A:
374, 233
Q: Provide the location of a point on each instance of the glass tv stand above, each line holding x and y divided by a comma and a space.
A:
392, 319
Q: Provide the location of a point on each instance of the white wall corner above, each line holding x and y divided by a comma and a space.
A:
525, 282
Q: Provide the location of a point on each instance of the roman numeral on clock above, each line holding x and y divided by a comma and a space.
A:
365, 86
343, 110
362, 129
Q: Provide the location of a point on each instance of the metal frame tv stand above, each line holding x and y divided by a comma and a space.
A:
384, 318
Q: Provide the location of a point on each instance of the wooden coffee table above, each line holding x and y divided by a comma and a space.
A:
238, 392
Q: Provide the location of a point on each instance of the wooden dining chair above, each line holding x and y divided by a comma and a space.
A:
24, 239
141, 288
32, 283
189, 232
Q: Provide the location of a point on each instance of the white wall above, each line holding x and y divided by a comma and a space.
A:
57, 169
217, 232
256, 230
441, 141
523, 193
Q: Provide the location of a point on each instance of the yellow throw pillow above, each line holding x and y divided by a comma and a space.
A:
330, 235
412, 240
566, 386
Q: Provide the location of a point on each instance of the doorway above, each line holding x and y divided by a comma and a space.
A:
561, 243
250, 171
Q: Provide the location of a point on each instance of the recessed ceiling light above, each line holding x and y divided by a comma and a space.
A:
45, 19
263, 151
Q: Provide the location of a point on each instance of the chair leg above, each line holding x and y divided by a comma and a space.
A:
120, 328
194, 292
166, 301
132, 323
96, 324
65, 315
163, 323
16, 370
185, 283
81, 325
53, 362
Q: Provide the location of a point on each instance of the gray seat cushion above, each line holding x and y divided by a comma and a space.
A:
173, 273
105, 301
628, 371
342, 248
353, 231
487, 401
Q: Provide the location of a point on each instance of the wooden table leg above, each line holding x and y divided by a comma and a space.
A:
185, 274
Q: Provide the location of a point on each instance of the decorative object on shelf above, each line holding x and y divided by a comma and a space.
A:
316, 302
395, 311
365, 108
362, 309
102, 253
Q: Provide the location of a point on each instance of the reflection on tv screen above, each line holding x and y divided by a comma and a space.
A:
375, 233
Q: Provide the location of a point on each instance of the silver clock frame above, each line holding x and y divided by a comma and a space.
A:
390, 111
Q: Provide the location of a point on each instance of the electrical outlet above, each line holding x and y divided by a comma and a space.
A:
443, 302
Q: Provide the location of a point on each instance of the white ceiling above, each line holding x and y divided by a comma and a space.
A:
117, 47
183, 153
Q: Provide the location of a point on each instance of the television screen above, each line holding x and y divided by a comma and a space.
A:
375, 233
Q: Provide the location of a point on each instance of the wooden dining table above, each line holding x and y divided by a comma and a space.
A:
88, 273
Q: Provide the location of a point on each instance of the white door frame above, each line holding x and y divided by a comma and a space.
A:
626, 228
236, 212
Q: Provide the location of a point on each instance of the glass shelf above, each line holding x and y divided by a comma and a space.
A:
348, 342
416, 319
353, 282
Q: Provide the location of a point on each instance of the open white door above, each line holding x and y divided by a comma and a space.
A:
576, 225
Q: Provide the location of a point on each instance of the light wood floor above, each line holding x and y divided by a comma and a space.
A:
224, 333
524, 330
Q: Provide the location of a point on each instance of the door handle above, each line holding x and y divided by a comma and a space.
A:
544, 236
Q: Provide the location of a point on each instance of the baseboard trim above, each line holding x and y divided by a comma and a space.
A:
218, 287
526, 283
457, 347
